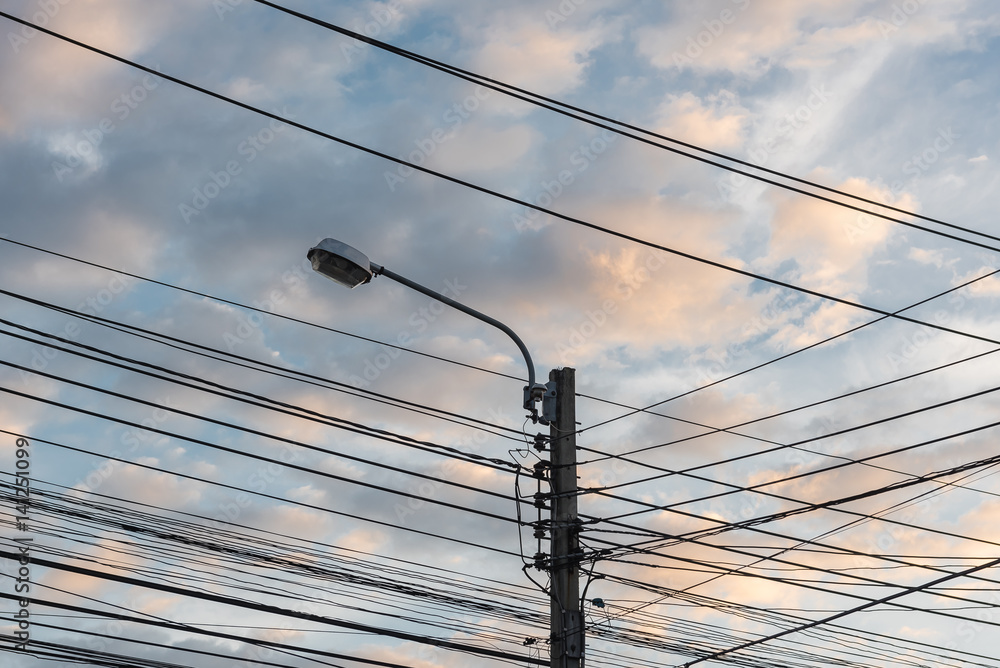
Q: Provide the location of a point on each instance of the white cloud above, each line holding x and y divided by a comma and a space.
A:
813, 88
718, 122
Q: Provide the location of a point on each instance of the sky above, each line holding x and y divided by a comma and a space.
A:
153, 221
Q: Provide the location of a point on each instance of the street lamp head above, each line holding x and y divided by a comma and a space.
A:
350, 267
340, 263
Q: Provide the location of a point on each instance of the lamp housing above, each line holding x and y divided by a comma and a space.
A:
340, 263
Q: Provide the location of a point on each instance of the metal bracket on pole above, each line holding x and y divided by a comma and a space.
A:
573, 645
532, 395
549, 403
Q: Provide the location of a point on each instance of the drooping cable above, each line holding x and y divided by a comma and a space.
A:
613, 125
577, 221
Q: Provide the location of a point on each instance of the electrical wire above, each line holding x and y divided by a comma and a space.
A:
246, 362
847, 461
785, 356
270, 460
845, 613
274, 610
265, 495
615, 233
260, 401
271, 537
886, 316
762, 614
607, 123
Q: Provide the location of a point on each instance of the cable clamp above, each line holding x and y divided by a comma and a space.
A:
541, 442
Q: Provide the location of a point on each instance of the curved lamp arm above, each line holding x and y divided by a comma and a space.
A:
350, 267
532, 393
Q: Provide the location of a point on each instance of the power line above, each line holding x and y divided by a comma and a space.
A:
796, 445
291, 465
70, 652
833, 506
248, 491
623, 457
247, 307
260, 401
721, 569
728, 606
845, 613
231, 358
790, 354
484, 190
267, 367
830, 549
849, 462
274, 610
165, 624
230, 561
602, 122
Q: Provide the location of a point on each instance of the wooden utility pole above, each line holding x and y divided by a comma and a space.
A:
567, 640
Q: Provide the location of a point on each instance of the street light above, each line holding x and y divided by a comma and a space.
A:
350, 267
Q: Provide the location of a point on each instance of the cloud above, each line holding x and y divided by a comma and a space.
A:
751, 38
717, 122
813, 88
531, 56
478, 148
830, 248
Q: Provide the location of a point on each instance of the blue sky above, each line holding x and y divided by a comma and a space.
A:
892, 101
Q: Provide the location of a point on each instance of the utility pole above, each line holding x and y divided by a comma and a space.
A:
567, 639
